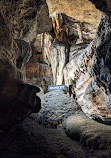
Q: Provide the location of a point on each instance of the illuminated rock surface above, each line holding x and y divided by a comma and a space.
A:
58, 58
56, 107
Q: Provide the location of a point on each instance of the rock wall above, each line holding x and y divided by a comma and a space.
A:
23, 18
75, 17
17, 100
46, 42
19, 25
34, 72
90, 68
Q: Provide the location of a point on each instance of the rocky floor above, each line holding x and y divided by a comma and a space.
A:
87, 138
56, 108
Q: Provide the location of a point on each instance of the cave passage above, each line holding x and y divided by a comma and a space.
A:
55, 79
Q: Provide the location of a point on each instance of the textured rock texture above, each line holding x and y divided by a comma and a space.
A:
79, 15
72, 30
61, 43
92, 74
46, 41
8, 46
30, 139
75, 60
19, 26
87, 11
25, 18
56, 107
59, 110
34, 72
90, 133
17, 100
89, 67
36, 69
24, 53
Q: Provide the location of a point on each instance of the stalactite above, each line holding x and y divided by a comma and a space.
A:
57, 23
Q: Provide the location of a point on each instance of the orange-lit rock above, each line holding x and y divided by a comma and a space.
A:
36, 70
77, 9
81, 11
60, 31
17, 100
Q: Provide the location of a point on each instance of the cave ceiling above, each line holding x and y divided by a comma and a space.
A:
83, 11
26, 18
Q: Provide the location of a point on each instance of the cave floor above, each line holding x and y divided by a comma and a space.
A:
33, 140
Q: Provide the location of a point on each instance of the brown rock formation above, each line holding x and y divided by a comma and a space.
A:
76, 13
77, 9
17, 100
31, 70
25, 18
46, 44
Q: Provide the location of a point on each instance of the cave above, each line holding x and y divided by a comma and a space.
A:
54, 43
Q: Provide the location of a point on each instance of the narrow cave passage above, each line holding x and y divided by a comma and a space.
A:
48, 42
42, 135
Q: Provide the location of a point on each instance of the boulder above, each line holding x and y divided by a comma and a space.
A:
17, 100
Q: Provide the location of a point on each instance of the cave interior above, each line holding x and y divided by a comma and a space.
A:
49, 43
